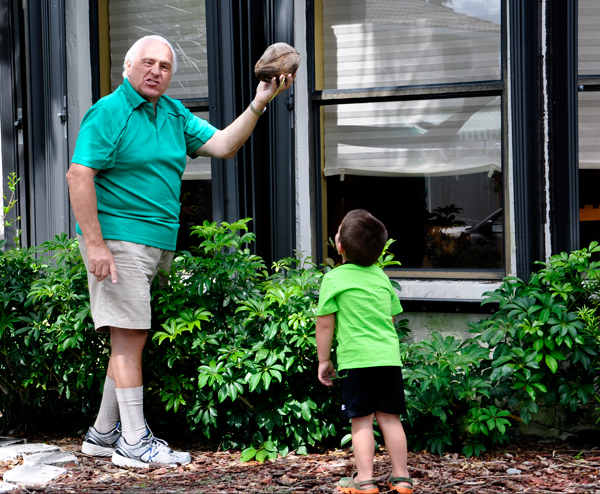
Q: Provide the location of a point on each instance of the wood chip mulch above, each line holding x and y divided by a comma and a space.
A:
527, 468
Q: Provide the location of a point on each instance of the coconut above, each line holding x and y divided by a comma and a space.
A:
278, 59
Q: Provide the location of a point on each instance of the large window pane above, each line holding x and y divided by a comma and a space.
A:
378, 43
2, 202
589, 123
589, 37
589, 167
431, 170
182, 22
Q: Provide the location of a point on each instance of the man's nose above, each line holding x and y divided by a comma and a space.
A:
156, 69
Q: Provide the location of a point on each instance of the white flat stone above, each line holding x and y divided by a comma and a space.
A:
15, 451
6, 487
54, 458
7, 441
33, 474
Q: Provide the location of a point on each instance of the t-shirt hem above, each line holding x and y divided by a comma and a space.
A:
141, 241
358, 366
135, 240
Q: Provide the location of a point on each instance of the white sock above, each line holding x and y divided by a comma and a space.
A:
108, 416
131, 408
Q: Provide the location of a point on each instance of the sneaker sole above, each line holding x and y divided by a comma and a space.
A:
123, 461
91, 449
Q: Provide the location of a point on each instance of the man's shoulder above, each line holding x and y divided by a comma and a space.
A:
113, 106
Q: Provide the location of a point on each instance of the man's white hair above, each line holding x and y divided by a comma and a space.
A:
135, 48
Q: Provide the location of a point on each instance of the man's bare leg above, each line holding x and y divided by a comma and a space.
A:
125, 367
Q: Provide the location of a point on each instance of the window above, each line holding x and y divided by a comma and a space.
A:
183, 23
411, 94
589, 120
2, 201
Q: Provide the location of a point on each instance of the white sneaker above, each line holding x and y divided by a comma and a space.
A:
98, 444
150, 450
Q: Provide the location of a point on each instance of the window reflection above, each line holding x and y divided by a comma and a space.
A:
430, 170
378, 43
182, 22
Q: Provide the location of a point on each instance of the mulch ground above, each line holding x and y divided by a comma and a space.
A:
530, 468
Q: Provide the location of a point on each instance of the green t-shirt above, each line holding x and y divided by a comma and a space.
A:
141, 158
364, 302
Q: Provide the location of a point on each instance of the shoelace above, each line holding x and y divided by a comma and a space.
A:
159, 444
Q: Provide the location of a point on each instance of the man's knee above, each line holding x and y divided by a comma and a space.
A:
127, 340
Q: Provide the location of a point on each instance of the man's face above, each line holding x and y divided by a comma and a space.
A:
150, 73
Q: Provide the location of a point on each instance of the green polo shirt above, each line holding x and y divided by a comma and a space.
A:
141, 159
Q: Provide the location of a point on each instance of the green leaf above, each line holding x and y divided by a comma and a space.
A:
551, 363
248, 454
261, 455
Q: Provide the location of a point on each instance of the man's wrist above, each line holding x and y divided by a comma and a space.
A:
256, 111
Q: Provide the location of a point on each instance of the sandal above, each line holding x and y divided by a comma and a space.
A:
349, 486
392, 481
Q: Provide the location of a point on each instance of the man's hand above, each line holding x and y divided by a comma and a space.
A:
326, 372
100, 261
265, 92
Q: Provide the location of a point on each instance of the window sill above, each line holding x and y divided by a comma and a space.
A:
446, 295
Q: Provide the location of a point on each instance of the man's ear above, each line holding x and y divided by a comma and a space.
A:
127, 67
340, 248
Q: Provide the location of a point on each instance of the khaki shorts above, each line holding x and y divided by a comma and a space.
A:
126, 304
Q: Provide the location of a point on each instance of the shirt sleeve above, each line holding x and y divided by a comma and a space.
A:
97, 140
327, 298
197, 133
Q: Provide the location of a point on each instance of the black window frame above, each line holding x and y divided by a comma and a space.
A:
523, 77
259, 182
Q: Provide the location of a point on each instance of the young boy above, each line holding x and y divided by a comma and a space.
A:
358, 301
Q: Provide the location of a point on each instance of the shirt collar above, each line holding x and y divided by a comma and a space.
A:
134, 97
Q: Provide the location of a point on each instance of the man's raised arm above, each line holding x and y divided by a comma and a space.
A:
227, 142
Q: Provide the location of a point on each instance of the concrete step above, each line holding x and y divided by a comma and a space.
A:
7, 441
6, 487
41, 463
16, 451
53, 458
34, 474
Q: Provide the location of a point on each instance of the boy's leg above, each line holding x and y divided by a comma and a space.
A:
395, 442
363, 444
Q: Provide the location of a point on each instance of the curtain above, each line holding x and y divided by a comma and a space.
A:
181, 22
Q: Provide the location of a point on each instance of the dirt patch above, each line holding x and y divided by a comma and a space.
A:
531, 468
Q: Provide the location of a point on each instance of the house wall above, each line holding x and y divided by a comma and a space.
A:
303, 210
79, 73
422, 324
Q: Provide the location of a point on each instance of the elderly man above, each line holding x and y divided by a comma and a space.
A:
124, 184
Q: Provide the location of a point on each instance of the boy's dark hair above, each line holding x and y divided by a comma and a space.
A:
363, 237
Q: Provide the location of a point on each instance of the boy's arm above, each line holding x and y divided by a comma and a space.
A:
324, 335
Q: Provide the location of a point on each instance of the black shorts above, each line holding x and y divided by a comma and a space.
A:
372, 389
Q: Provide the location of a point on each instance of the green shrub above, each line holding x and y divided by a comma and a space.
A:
241, 355
544, 345
47, 364
232, 352
539, 347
